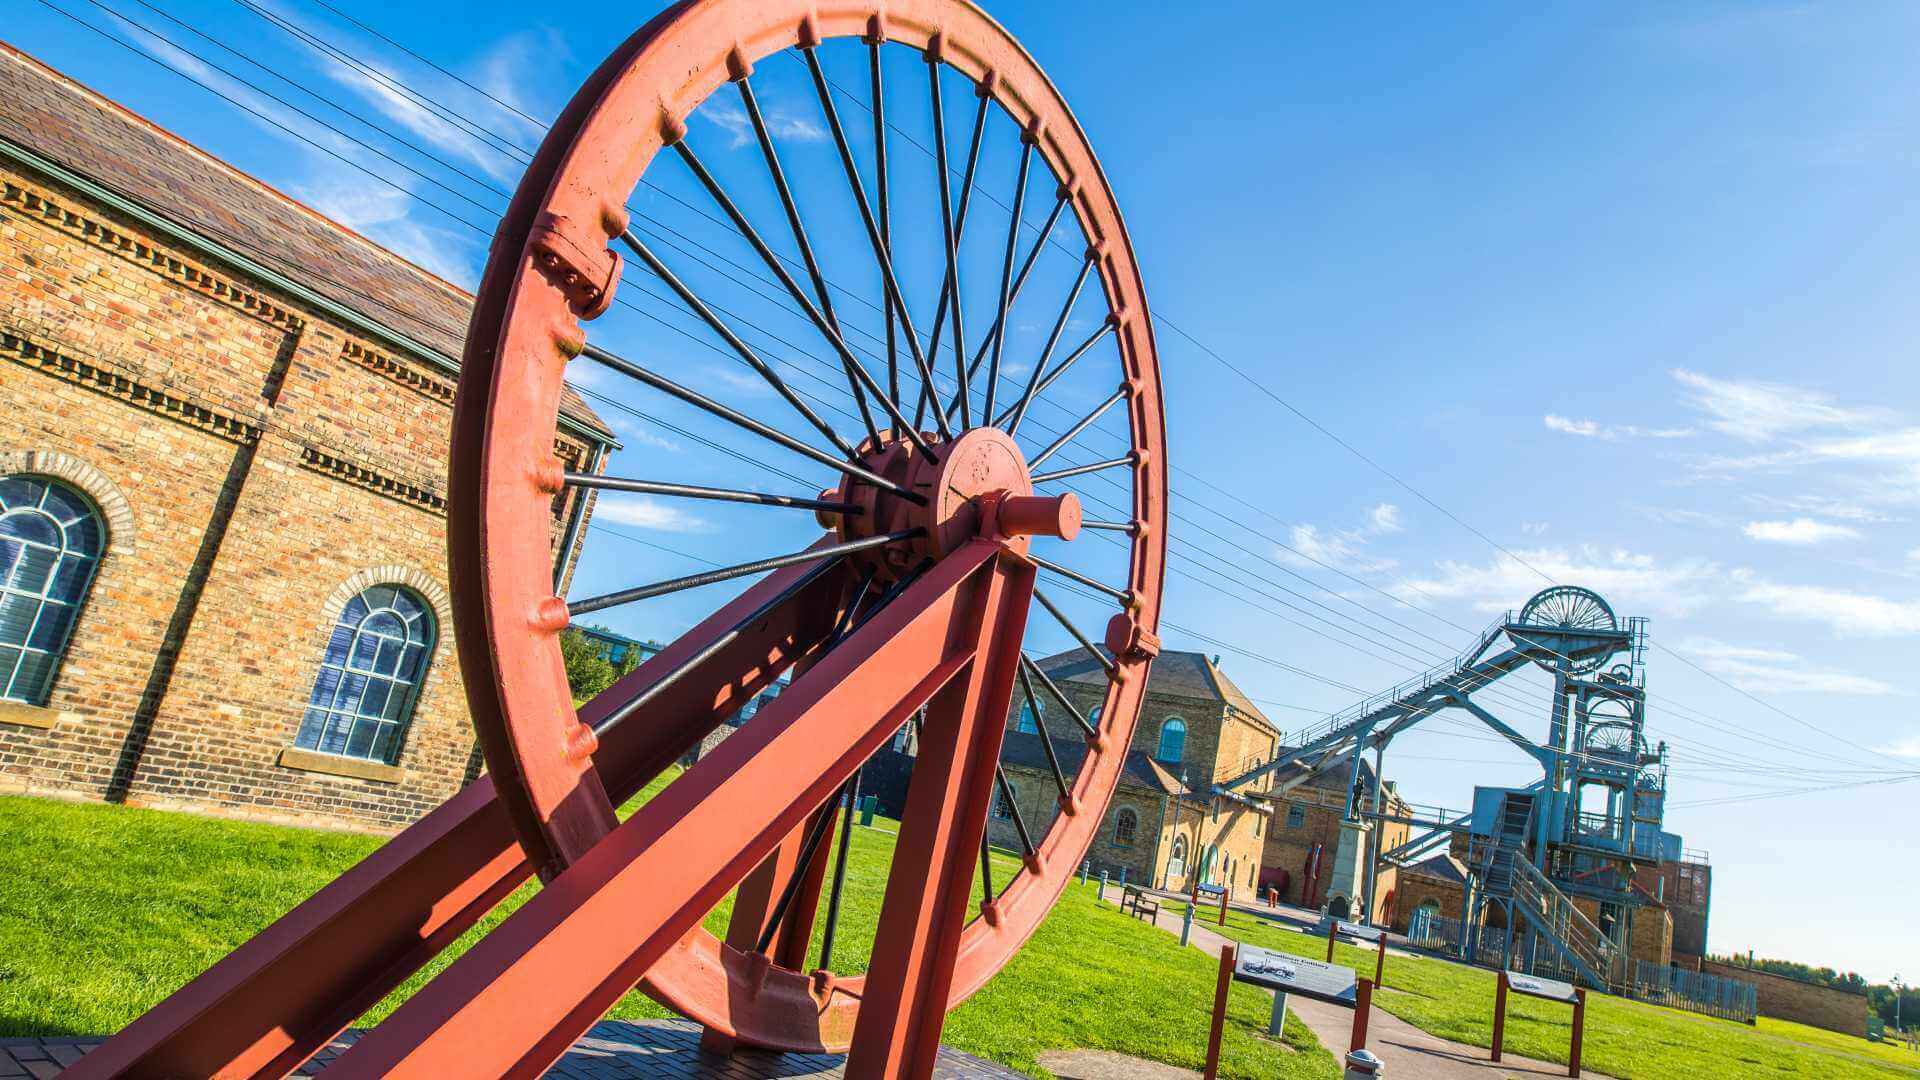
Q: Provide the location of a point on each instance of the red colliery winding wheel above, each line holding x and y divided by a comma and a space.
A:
952, 511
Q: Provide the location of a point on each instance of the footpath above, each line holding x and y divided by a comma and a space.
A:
1404, 1050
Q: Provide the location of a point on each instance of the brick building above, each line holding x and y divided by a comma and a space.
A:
1299, 852
1436, 885
222, 473
1167, 822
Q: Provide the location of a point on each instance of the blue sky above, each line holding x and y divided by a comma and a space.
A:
1626, 288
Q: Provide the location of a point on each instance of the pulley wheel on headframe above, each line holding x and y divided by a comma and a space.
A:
959, 417
1569, 608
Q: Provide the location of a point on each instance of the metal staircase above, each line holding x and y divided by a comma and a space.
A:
1582, 950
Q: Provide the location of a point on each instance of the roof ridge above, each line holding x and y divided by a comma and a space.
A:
98, 99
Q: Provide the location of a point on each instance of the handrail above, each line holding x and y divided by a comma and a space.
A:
1422, 681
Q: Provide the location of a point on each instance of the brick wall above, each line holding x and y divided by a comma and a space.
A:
1802, 1002
253, 461
1418, 888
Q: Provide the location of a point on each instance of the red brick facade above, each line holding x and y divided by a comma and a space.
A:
257, 461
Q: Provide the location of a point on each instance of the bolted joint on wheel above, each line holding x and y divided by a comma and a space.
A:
1031, 515
1127, 638
576, 262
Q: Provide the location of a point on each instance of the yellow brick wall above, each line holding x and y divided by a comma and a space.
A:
252, 458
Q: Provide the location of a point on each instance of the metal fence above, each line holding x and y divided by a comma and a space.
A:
1731, 999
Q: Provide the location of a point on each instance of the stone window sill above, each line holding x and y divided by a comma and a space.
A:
33, 716
294, 757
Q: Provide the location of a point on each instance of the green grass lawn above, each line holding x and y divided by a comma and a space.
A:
1626, 1039
105, 910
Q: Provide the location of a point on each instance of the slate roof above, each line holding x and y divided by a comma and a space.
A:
1183, 674
59, 119
1441, 867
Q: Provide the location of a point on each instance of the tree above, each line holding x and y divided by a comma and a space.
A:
588, 671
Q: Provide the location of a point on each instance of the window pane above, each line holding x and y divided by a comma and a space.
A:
33, 569
380, 596
70, 580
31, 526
410, 666
9, 659
83, 536
383, 748
18, 491
51, 631
352, 689
388, 661
310, 727
364, 652
17, 611
324, 686
374, 702
36, 671
362, 741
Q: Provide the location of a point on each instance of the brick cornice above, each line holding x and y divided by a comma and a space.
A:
398, 370
413, 492
106, 378
96, 232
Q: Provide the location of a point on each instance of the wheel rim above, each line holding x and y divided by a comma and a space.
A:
547, 280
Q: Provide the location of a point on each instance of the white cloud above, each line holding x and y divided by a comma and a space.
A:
1534, 528
1768, 670
646, 513
781, 124
1632, 582
1826, 506
1344, 548
1908, 747
1673, 515
1799, 531
1849, 614
1761, 411
1913, 555
1593, 429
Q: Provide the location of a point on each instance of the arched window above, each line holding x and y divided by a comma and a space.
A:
1002, 807
1180, 849
370, 676
1093, 716
1030, 714
51, 539
1173, 742
1125, 824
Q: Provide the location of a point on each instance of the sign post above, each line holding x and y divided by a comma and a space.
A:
1546, 990
1224, 893
1219, 1013
1286, 974
1380, 962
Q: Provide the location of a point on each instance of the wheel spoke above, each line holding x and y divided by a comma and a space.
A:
772, 157
1072, 432
986, 873
699, 400
1059, 696
1112, 669
707, 315
1019, 822
720, 643
878, 243
949, 290
1077, 470
1082, 350
692, 491
857, 374
1046, 737
839, 874
1128, 527
951, 239
878, 107
1074, 575
1019, 282
808, 849
1006, 272
1034, 385
691, 581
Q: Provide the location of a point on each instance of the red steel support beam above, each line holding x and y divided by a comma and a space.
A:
1380, 961
1333, 926
521, 996
272, 1003
930, 885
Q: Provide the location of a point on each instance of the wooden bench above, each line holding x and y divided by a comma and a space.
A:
1137, 903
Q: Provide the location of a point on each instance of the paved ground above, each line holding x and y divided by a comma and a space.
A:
613, 1050
1404, 1050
